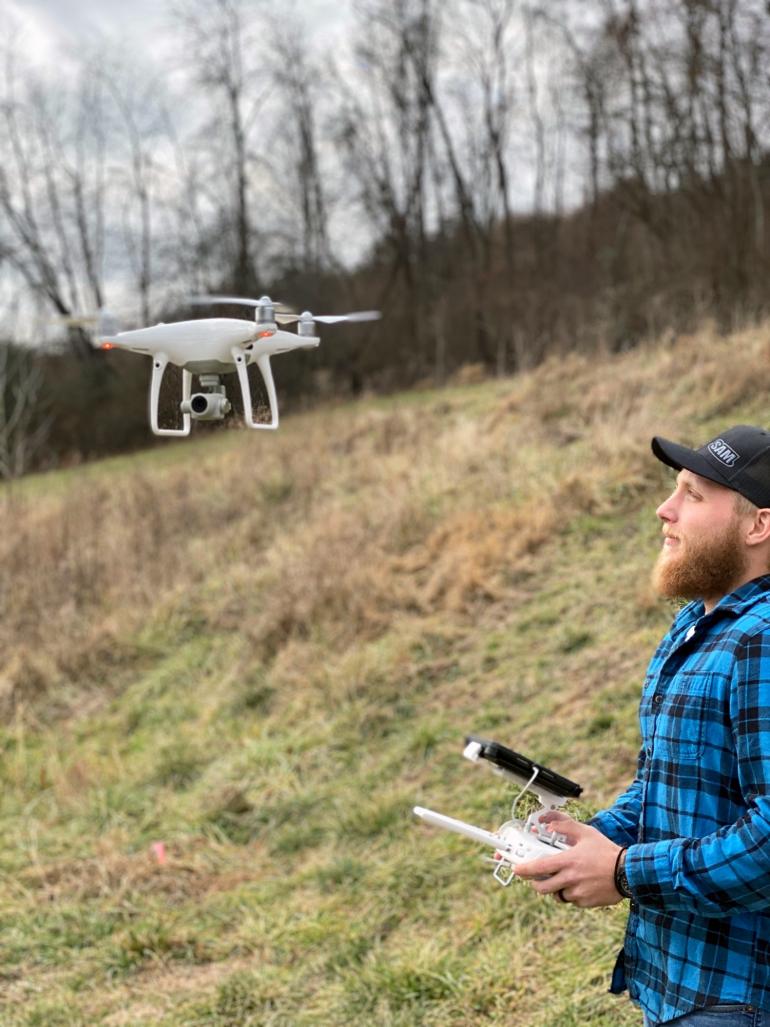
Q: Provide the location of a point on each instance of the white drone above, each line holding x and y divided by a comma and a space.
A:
213, 346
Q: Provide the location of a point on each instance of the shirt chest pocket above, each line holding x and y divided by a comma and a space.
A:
680, 715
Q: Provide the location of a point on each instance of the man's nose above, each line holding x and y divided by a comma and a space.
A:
667, 509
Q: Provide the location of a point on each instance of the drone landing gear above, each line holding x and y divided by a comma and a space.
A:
158, 367
262, 360
211, 403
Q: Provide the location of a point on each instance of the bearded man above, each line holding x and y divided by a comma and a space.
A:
689, 841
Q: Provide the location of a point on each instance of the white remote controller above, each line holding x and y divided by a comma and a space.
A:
517, 841
514, 842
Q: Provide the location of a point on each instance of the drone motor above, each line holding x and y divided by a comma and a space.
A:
306, 324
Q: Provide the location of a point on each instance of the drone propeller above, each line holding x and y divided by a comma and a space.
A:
287, 316
78, 320
208, 300
101, 324
223, 299
330, 319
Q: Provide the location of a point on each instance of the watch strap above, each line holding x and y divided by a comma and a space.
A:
621, 879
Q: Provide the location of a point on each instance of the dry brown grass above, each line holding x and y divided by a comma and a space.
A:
376, 513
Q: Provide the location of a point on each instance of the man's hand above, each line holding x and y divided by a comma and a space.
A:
584, 874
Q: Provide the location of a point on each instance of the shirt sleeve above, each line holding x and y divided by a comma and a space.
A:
620, 823
727, 871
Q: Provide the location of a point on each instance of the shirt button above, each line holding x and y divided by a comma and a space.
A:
657, 698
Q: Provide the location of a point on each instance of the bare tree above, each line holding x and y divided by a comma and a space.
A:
299, 172
141, 128
218, 34
491, 53
24, 427
52, 191
384, 129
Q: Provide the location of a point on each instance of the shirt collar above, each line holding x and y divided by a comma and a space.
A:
745, 596
735, 602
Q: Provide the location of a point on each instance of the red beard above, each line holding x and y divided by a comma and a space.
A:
702, 568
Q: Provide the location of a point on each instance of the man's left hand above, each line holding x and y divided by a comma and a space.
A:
584, 874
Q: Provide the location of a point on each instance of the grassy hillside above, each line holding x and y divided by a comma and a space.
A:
259, 653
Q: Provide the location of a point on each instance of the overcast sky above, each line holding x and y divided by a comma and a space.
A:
79, 17
144, 26
48, 26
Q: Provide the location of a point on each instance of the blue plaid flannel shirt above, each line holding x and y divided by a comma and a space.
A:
697, 816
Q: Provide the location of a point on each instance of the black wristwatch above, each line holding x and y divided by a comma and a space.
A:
621, 880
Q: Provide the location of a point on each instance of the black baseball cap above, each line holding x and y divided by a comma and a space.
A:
739, 459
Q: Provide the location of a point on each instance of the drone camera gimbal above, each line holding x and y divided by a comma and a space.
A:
211, 405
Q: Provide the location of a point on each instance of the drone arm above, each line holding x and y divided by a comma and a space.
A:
263, 363
159, 362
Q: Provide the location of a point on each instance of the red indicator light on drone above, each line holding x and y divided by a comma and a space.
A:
265, 335
107, 345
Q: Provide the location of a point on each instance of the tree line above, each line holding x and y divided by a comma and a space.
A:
505, 179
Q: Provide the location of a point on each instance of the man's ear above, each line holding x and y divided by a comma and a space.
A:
760, 529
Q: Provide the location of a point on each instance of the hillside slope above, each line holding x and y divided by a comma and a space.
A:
230, 668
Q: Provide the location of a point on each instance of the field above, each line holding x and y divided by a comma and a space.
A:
231, 667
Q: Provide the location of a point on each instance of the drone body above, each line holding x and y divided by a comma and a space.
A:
210, 338
215, 346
